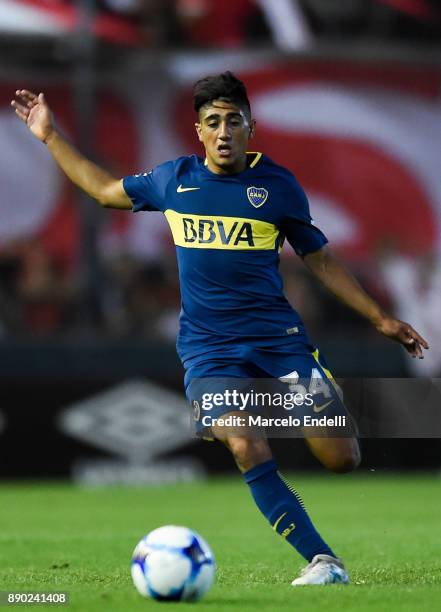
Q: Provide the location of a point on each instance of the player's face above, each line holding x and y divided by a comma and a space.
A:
225, 129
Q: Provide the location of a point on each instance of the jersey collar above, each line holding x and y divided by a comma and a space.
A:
253, 158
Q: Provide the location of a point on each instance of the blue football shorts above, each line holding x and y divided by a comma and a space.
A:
239, 367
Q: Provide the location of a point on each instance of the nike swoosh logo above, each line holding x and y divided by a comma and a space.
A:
182, 189
321, 408
276, 524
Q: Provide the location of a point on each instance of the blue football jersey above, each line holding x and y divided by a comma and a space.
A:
228, 231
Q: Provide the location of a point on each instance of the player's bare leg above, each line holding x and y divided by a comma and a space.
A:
339, 455
282, 505
248, 450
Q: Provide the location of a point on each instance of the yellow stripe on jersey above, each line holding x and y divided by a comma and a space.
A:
328, 373
253, 164
213, 232
256, 160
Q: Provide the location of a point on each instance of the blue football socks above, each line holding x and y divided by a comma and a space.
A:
284, 509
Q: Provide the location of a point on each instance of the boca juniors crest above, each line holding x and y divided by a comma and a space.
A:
257, 196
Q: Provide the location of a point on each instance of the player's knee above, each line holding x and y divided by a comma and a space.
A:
345, 461
248, 452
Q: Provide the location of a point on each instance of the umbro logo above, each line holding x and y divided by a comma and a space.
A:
182, 189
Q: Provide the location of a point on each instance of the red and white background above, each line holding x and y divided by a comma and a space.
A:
59, 17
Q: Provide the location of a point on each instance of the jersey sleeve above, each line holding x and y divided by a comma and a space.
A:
148, 190
297, 224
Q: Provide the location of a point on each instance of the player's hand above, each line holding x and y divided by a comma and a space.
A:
404, 334
34, 111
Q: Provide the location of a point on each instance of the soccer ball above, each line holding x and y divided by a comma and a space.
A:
173, 564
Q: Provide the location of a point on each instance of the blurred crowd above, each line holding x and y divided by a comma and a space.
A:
286, 23
131, 298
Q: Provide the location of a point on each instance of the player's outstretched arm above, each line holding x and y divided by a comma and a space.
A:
98, 183
343, 285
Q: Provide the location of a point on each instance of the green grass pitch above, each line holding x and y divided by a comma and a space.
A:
387, 528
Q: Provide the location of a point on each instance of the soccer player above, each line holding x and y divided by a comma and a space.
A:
229, 214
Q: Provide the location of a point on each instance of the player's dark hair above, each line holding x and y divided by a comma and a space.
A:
224, 87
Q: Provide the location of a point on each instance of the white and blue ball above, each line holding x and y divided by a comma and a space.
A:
173, 563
